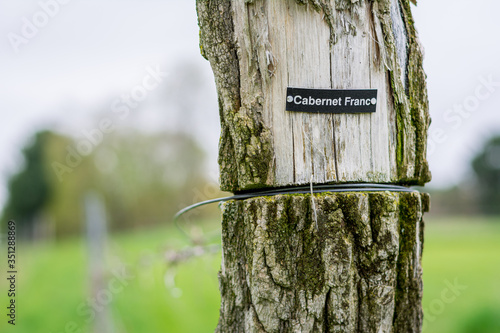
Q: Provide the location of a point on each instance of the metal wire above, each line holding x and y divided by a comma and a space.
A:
360, 187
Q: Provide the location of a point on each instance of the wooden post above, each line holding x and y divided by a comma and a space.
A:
344, 262
95, 220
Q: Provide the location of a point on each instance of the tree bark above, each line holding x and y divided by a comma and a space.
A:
332, 262
356, 267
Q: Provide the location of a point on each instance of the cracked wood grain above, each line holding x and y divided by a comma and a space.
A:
258, 48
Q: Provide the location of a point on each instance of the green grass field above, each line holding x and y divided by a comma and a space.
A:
53, 285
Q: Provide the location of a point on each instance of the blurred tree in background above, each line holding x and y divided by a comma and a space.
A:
486, 166
476, 194
144, 178
148, 164
29, 189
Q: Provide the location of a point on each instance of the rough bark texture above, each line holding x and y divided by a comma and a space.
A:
258, 48
355, 266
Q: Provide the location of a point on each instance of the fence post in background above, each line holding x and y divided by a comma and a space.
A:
95, 218
288, 75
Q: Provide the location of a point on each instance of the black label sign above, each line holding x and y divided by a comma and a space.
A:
331, 100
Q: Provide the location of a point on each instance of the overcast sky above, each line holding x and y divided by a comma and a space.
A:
90, 52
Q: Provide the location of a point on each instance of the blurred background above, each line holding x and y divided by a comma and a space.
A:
110, 125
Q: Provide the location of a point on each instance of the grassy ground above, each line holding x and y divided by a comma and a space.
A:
464, 252
147, 296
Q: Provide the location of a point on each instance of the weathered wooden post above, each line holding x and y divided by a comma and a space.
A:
335, 261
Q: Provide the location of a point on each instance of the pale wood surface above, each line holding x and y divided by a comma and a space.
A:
319, 44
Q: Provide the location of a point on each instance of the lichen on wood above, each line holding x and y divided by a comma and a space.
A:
358, 269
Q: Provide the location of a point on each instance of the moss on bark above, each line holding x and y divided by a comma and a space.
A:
355, 268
